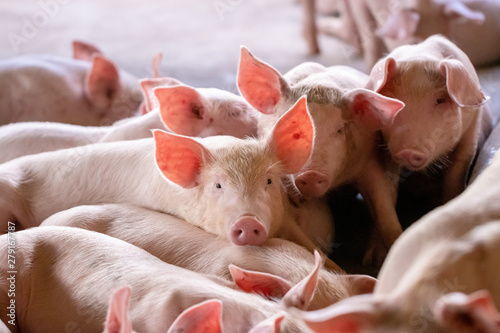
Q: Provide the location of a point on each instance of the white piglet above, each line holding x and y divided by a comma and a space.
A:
88, 90
444, 120
228, 186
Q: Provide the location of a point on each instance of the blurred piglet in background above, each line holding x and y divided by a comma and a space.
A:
86, 90
375, 27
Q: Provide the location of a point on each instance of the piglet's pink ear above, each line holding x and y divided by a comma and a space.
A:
182, 109
148, 86
292, 137
360, 284
179, 158
476, 312
102, 82
341, 317
301, 295
117, 320
372, 109
381, 73
84, 51
462, 87
204, 317
259, 83
457, 10
267, 285
400, 25
270, 325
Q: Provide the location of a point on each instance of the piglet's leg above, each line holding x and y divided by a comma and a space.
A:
461, 159
379, 189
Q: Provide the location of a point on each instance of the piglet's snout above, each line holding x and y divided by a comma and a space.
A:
411, 158
248, 230
312, 183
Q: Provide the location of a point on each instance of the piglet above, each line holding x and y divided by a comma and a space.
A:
228, 186
441, 275
444, 120
179, 243
171, 105
88, 90
73, 272
347, 118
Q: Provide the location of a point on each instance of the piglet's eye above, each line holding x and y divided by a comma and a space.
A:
269, 181
217, 185
441, 100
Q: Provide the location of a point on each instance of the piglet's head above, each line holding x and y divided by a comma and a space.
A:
359, 112
238, 182
440, 96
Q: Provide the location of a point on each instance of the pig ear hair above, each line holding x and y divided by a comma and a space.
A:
117, 320
102, 82
292, 137
381, 73
155, 65
270, 325
204, 317
301, 295
267, 285
179, 158
477, 311
182, 109
400, 25
462, 87
148, 85
457, 10
84, 51
259, 83
340, 317
372, 109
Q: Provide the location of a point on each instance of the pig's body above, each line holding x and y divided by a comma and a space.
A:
20, 139
179, 243
46, 88
346, 119
455, 248
224, 114
444, 120
73, 273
